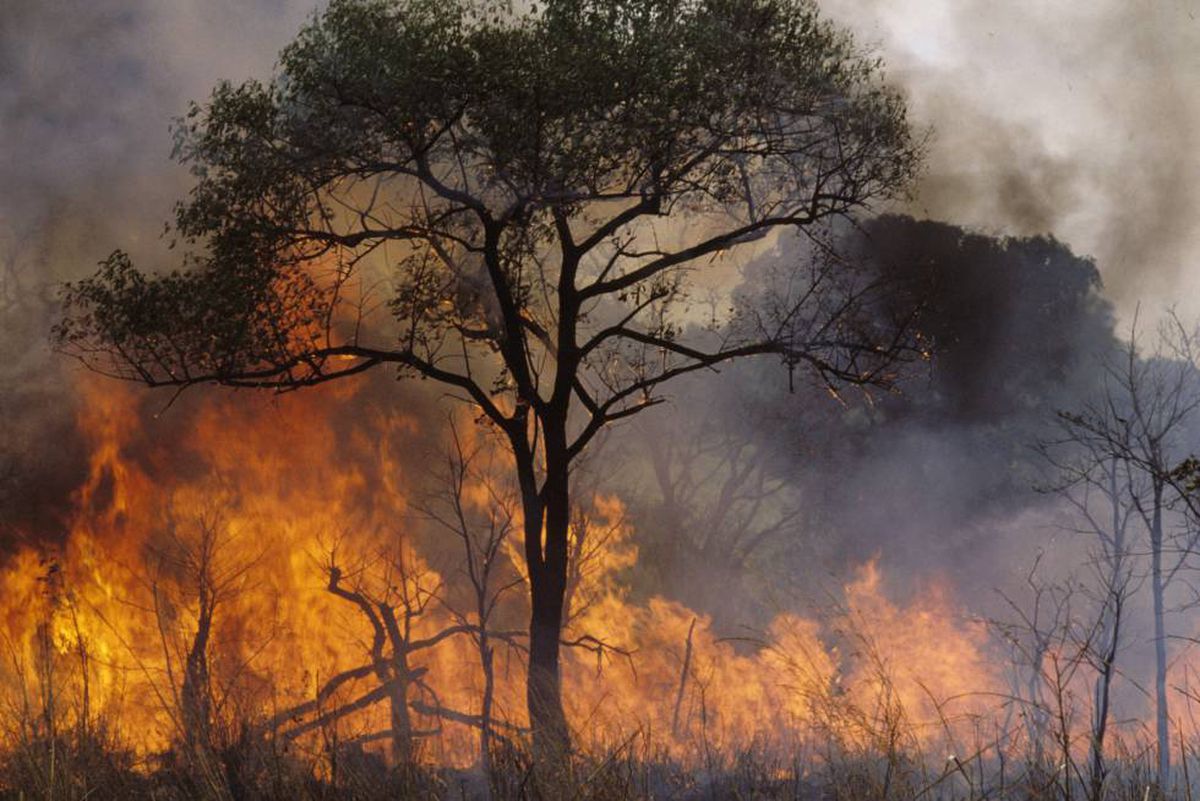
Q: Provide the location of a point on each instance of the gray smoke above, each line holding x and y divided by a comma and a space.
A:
1076, 119
87, 93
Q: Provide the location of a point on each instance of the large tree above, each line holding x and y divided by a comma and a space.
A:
511, 203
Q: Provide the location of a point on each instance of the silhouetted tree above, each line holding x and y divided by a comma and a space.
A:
482, 513
392, 591
1099, 487
537, 188
712, 507
197, 568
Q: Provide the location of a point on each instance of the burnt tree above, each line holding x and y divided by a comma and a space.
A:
196, 569
392, 592
1137, 435
1099, 487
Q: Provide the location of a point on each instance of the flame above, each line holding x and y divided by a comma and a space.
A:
240, 516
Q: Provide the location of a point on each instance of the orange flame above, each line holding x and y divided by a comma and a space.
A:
242, 518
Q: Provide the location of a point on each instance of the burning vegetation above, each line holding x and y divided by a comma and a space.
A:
258, 595
408, 523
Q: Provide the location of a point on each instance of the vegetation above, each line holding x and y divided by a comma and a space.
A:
525, 208
876, 750
539, 189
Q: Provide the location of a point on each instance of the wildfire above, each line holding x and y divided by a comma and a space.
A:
254, 553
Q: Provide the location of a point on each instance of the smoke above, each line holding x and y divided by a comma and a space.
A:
1074, 119
87, 93
940, 477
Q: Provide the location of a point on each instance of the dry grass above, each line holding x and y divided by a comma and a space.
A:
95, 767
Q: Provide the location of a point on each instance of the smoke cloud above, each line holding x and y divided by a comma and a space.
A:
1075, 119
87, 94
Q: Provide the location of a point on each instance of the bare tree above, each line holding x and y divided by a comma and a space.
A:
538, 188
1099, 488
1053, 646
483, 527
392, 591
714, 506
1132, 442
195, 570
1112, 587
1030, 635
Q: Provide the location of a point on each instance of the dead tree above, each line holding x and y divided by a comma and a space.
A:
483, 527
713, 506
196, 569
392, 592
1099, 487
1030, 636
595, 548
1051, 644
1140, 429
391, 615
1113, 584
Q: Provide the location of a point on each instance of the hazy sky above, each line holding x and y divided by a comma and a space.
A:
1076, 118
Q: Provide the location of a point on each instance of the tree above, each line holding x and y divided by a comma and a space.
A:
195, 571
712, 508
1053, 647
483, 527
538, 189
1099, 487
1136, 438
392, 591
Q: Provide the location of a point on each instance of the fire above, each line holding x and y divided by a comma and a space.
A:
799, 680
281, 532
935, 660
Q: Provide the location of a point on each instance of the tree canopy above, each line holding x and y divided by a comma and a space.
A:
472, 138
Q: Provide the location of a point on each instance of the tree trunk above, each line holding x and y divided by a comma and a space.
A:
1160, 643
546, 550
486, 660
1101, 701
1111, 626
194, 694
401, 720
544, 688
